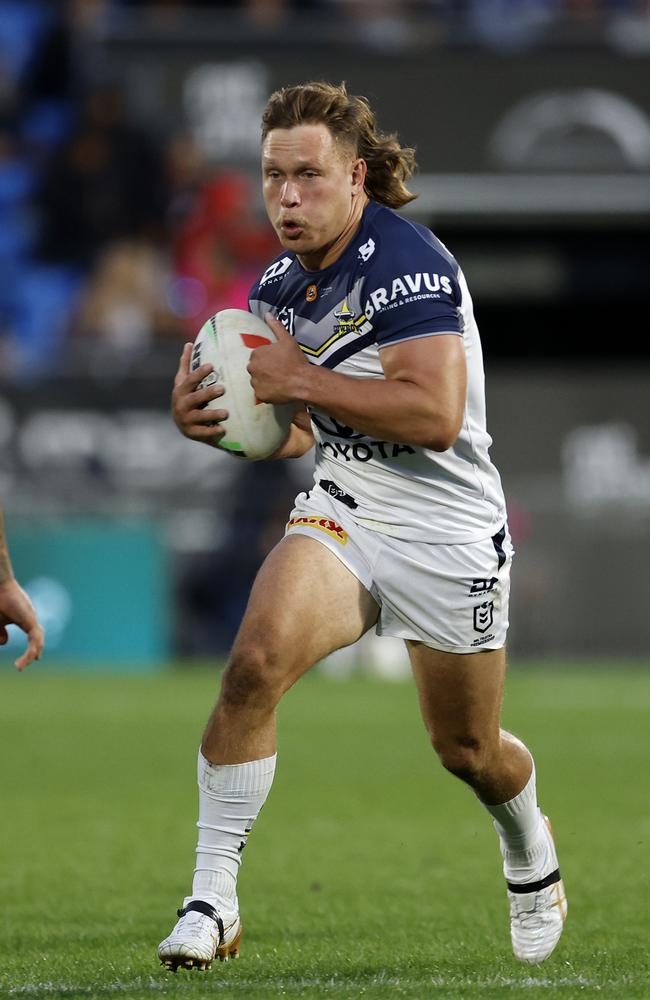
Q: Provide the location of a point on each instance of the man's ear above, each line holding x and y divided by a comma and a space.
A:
359, 171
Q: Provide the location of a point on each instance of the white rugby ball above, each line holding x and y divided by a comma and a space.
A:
253, 429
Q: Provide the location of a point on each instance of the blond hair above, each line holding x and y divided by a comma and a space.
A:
353, 124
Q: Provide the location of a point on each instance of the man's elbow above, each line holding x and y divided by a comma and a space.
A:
439, 443
440, 436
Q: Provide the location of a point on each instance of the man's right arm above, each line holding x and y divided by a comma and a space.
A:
189, 410
199, 423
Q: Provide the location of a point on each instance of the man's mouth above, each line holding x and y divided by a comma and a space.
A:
290, 228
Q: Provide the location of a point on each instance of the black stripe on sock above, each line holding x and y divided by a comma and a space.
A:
544, 883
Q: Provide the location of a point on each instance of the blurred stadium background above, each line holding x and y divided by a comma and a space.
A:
130, 211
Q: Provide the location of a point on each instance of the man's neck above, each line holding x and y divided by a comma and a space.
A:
331, 253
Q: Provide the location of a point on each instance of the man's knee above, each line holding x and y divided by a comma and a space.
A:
255, 676
466, 757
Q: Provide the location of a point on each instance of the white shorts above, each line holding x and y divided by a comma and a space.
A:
451, 597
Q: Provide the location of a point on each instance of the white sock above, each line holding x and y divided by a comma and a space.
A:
521, 831
230, 798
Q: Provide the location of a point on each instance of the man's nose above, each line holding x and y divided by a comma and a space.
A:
290, 194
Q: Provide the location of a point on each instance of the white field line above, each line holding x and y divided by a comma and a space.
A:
324, 984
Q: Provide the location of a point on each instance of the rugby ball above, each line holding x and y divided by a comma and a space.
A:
253, 429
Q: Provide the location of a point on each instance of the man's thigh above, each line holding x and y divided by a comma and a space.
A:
305, 603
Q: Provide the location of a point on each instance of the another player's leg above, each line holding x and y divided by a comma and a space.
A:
304, 604
460, 698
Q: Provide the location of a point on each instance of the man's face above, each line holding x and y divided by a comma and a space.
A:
310, 185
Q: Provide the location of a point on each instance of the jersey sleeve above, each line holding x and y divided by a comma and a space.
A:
413, 293
263, 295
254, 302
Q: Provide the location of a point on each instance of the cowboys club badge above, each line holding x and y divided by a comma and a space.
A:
345, 317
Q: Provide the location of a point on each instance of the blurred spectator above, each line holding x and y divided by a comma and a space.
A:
388, 25
105, 183
517, 24
219, 249
37, 111
123, 310
511, 24
186, 173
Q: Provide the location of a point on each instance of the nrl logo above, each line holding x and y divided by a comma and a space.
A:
483, 616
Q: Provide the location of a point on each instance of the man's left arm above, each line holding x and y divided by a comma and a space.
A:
420, 402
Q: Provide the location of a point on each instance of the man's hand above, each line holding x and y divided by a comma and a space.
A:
192, 421
17, 609
277, 369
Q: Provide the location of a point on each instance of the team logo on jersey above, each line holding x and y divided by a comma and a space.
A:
312, 293
276, 270
345, 317
366, 250
346, 322
483, 616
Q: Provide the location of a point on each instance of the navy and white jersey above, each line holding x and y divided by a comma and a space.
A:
395, 281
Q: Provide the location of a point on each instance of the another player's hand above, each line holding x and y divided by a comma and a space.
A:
276, 369
17, 609
187, 402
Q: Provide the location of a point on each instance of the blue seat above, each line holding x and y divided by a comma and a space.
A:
47, 295
22, 24
17, 182
48, 123
16, 236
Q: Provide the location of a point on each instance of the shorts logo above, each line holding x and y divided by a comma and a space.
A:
483, 616
339, 494
325, 524
483, 586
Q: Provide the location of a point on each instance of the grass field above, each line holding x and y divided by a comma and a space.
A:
370, 873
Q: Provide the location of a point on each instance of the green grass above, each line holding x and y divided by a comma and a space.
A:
370, 873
